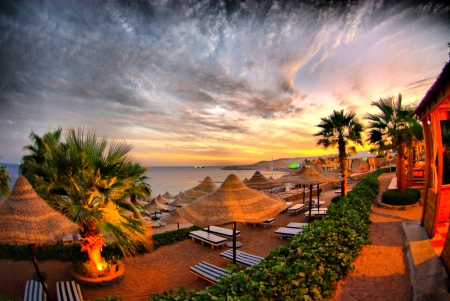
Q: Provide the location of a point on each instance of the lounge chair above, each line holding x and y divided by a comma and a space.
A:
68, 291
203, 236
296, 208
68, 238
242, 258
317, 213
268, 222
34, 291
208, 271
287, 232
296, 225
224, 232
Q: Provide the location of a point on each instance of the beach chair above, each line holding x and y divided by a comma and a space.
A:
68, 238
296, 208
317, 213
287, 232
68, 291
161, 224
297, 225
203, 236
208, 271
242, 258
34, 291
268, 222
224, 232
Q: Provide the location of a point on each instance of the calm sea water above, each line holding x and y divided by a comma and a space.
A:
176, 179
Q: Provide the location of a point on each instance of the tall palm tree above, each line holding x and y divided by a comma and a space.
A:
340, 129
4, 179
90, 182
395, 125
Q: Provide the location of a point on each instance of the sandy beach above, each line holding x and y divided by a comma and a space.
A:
381, 271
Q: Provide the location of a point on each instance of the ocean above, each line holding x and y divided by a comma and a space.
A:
176, 179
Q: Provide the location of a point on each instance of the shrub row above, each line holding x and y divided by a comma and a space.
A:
394, 197
71, 252
307, 267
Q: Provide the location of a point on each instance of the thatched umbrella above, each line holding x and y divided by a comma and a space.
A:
162, 200
154, 205
232, 202
258, 181
205, 187
168, 195
309, 177
25, 218
179, 200
326, 174
174, 218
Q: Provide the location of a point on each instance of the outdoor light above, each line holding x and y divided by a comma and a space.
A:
99, 266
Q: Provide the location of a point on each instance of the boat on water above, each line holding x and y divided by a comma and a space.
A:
199, 166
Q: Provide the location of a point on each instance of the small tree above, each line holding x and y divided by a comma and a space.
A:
339, 129
4, 179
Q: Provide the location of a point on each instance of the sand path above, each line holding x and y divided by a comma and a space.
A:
381, 270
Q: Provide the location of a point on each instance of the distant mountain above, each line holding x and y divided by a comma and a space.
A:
278, 164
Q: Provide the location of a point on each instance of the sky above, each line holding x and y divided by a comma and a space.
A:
209, 82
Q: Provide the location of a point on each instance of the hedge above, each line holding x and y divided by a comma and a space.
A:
71, 252
394, 197
308, 266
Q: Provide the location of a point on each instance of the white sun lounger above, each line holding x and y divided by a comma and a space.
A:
34, 291
208, 271
288, 232
296, 208
297, 225
242, 258
224, 232
203, 236
268, 222
68, 291
317, 213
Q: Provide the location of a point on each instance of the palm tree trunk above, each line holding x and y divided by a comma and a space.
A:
401, 176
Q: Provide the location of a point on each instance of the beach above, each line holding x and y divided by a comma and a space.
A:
380, 268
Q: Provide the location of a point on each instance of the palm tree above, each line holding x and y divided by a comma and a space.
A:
90, 182
395, 125
32, 163
4, 179
340, 129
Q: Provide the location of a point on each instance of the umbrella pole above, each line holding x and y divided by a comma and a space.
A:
234, 243
39, 275
310, 203
318, 198
178, 224
304, 193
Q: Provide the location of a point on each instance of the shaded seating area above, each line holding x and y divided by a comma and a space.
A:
34, 291
208, 271
212, 239
68, 291
287, 232
242, 258
224, 232
296, 208
268, 222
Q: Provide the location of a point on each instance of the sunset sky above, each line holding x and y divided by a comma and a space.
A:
207, 83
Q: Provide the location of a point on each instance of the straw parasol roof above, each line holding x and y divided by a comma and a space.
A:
168, 195
190, 195
25, 218
233, 201
174, 218
309, 177
258, 181
162, 200
326, 173
154, 205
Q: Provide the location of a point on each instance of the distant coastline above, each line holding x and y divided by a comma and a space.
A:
278, 164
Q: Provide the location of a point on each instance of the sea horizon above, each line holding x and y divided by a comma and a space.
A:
176, 179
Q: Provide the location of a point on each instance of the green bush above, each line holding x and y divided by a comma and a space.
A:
388, 169
393, 197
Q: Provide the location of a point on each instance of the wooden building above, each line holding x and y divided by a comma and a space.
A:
434, 113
